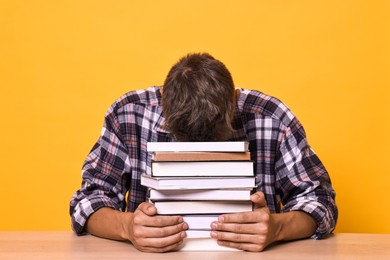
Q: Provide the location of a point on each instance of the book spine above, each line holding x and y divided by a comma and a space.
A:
202, 168
201, 207
199, 222
221, 194
202, 244
197, 146
201, 183
200, 156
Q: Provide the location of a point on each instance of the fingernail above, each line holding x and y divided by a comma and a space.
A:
180, 220
214, 225
185, 226
150, 209
213, 234
221, 218
183, 234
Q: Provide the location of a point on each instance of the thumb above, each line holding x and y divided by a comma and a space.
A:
147, 208
258, 200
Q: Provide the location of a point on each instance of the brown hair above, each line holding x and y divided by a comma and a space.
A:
198, 99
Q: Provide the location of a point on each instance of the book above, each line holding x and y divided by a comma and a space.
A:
196, 183
201, 207
201, 156
200, 222
210, 168
198, 233
219, 194
238, 146
203, 244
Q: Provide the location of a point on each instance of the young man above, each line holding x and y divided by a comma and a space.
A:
198, 102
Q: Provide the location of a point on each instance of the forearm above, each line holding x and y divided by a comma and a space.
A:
109, 223
293, 225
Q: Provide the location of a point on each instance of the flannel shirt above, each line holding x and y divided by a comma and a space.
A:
287, 170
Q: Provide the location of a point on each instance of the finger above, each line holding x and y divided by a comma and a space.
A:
258, 200
163, 242
234, 237
256, 228
147, 208
160, 249
157, 221
245, 217
242, 246
160, 232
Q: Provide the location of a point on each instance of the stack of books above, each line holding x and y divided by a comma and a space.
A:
200, 181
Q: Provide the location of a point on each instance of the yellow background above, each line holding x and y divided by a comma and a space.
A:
62, 63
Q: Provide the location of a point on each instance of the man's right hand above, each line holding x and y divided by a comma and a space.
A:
146, 230
149, 232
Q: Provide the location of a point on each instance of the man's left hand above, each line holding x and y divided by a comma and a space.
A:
250, 231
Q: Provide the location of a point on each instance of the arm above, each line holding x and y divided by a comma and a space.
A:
98, 206
146, 231
308, 202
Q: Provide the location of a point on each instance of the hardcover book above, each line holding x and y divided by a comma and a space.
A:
199, 222
201, 207
201, 156
203, 168
239, 146
196, 183
198, 233
203, 244
219, 194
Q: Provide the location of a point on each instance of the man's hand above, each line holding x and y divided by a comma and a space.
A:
254, 231
251, 231
151, 233
147, 231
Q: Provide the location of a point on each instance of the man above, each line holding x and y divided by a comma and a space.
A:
198, 102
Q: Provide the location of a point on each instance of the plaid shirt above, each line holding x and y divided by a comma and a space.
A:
287, 170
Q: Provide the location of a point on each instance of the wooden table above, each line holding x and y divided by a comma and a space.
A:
65, 245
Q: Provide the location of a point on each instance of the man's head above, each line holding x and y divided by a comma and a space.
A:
198, 99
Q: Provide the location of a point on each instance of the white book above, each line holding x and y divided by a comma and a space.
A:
200, 222
237, 146
198, 233
196, 183
201, 207
202, 168
201, 156
220, 194
203, 244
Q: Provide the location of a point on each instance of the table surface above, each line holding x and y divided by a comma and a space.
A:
66, 245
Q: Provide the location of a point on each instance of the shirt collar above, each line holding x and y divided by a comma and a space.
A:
238, 124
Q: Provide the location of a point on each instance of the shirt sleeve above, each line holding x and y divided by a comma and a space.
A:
103, 181
305, 183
